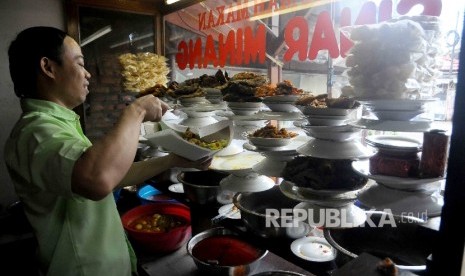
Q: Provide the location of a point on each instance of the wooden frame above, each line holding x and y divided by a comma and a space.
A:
138, 7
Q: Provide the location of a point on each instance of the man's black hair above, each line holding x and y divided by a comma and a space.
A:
25, 53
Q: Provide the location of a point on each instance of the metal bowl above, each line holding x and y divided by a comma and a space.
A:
201, 187
278, 223
234, 252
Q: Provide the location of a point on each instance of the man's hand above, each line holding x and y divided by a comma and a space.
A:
201, 164
153, 106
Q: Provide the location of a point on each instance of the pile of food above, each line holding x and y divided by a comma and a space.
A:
195, 139
323, 101
384, 59
156, 223
194, 87
142, 71
323, 174
270, 131
282, 88
242, 87
159, 90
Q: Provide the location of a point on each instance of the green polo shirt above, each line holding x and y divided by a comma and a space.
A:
76, 236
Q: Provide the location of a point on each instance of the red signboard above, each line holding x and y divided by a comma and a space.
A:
243, 46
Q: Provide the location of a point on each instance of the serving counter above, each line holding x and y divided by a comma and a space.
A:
179, 262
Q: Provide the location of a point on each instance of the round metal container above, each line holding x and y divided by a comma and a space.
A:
201, 187
269, 214
211, 268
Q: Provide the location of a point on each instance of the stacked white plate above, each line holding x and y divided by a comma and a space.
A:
333, 133
281, 103
326, 149
245, 108
328, 116
395, 115
192, 101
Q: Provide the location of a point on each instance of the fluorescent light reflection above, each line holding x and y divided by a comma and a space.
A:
105, 30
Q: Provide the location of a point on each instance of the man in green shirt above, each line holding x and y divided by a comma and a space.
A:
64, 181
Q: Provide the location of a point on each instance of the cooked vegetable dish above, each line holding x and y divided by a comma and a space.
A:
212, 145
156, 223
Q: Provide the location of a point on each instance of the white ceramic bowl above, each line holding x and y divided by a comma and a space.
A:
397, 115
244, 104
269, 142
192, 101
335, 150
281, 106
244, 111
326, 120
310, 110
397, 105
333, 136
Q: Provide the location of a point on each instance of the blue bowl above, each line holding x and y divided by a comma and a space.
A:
116, 194
147, 194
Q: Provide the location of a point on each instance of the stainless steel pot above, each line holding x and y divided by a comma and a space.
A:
210, 268
201, 187
269, 214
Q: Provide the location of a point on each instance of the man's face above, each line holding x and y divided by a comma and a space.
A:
71, 77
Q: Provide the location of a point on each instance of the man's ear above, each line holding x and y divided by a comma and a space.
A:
47, 67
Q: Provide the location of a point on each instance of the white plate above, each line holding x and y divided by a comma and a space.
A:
322, 129
244, 111
191, 101
232, 149
257, 105
362, 167
279, 116
192, 113
326, 120
249, 183
268, 143
176, 188
401, 104
335, 150
281, 106
397, 115
290, 148
333, 136
326, 111
172, 141
242, 162
313, 249
225, 209
394, 143
405, 126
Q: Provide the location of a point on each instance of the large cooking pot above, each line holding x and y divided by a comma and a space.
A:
403, 239
201, 187
278, 223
